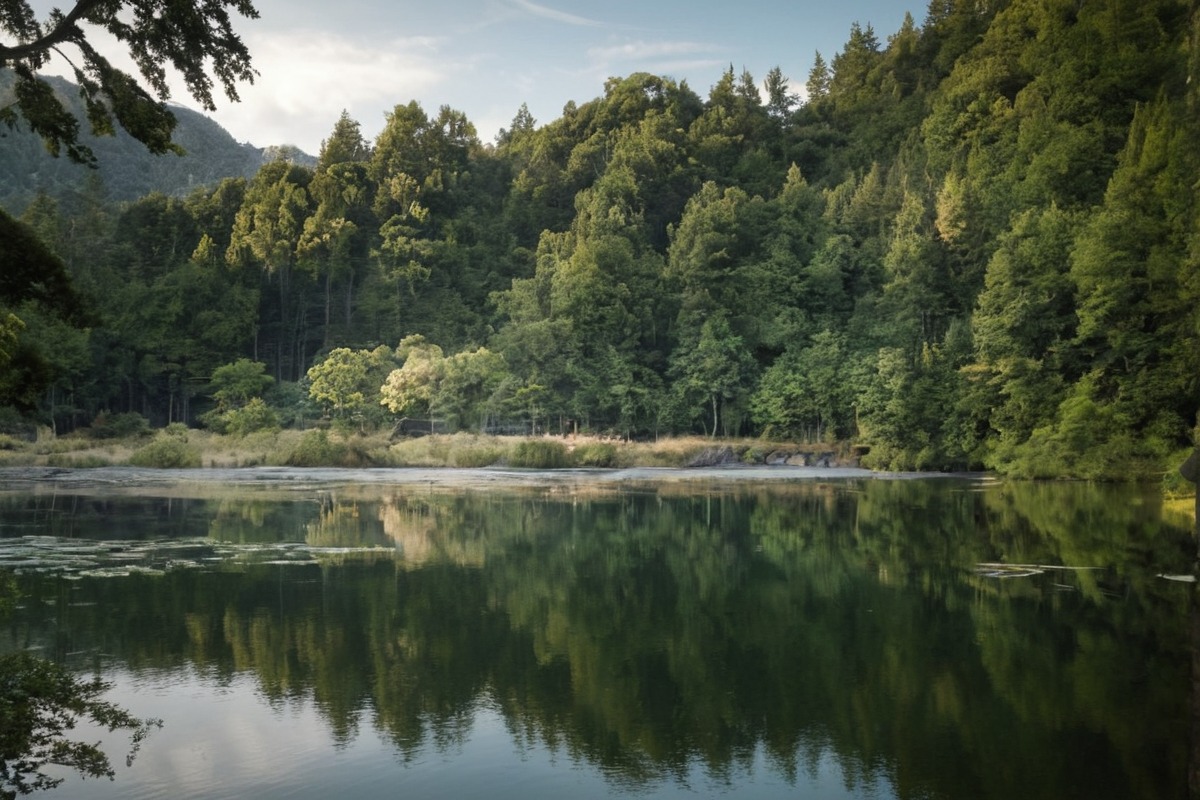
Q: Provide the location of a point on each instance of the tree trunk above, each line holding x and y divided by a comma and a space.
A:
328, 293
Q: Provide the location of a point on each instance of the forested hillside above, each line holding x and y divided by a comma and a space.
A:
974, 243
125, 169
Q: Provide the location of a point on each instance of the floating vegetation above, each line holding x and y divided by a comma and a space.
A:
1002, 570
74, 559
1007, 571
120, 572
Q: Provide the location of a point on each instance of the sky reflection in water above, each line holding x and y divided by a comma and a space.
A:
822, 640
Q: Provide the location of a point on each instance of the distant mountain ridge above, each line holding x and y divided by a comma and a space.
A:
126, 170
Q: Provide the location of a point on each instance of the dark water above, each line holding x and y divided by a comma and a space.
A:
816, 639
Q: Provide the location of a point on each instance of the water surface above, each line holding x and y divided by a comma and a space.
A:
645, 634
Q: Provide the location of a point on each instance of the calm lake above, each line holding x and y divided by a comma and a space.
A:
749, 634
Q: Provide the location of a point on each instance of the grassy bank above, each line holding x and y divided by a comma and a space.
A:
177, 447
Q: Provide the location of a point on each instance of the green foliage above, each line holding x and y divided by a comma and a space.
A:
253, 417
123, 168
167, 451
902, 411
539, 454
195, 40
318, 449
40, 702
564, 602
233, 385
1174, 485
291, 403
1089, 438
176, 430
344, 145
12, 422
41, 311
33, 272
595, 454
807, 392
119, 426
477, 457
466, 389
10, 329
411, 388
713, 376
470, 391
973, 235
347, 382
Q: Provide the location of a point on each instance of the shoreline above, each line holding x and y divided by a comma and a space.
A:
127, 477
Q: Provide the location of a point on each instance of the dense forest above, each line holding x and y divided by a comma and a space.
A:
972, 244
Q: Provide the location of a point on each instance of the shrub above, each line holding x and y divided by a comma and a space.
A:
596, 454
539, 454
166, 452
475, 457
317, 449
176, 430
754, 455
253, 417
119, 426
291, 403
314, 450
215, 420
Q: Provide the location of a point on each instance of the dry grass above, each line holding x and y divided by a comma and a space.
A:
442, 450
255, 450
448, 450
667, 452
67, 451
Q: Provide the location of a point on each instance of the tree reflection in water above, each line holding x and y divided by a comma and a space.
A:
649, 628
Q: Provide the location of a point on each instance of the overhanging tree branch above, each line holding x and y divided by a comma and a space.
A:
65, 30
195, 38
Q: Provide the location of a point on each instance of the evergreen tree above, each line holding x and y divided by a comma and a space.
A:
345, 144
818, 79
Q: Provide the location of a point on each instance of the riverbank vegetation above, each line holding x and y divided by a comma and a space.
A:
973, 244
179, 447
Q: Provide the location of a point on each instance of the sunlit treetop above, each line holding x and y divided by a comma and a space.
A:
196, 39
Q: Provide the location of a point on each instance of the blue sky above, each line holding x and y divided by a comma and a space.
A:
486, 57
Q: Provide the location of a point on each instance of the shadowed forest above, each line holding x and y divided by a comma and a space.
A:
971, 243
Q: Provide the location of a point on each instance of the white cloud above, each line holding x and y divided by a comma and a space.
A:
306, 78
641, 51
556, 15
673, 58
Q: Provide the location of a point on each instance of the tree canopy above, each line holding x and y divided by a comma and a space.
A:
972, 244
